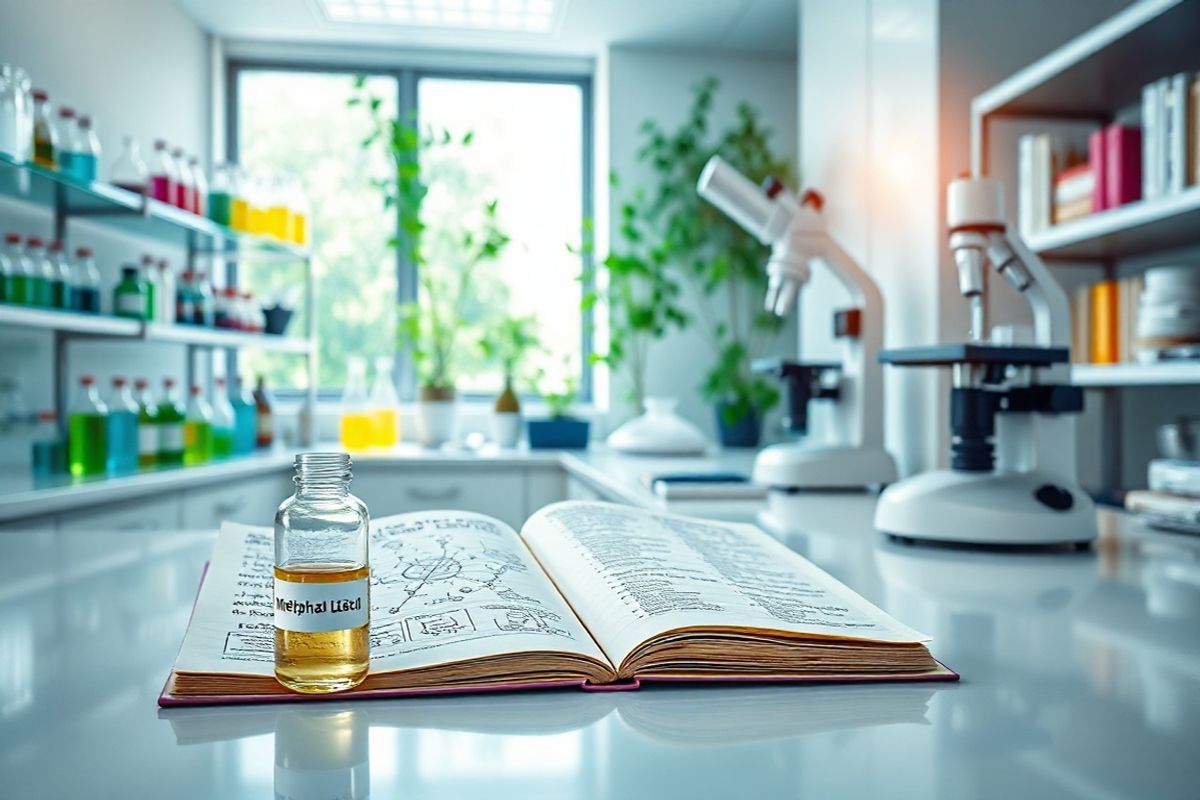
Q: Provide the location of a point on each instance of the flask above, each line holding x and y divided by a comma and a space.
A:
165, 313
86, 160
264, 424
184, 184
123, 441
130, 295
87, 435
45, 138
199, 187
322, 596
129, 171
163, 175
147, 424
223, 421
42, 271
85, 282
22, 284
66, 135
170, 425
384, 431
220, 195
60, 277
355, 427
47, 456
197, 430
244, 420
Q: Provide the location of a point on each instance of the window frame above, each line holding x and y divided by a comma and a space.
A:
407, 80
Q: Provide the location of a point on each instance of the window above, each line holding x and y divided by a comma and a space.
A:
529, 151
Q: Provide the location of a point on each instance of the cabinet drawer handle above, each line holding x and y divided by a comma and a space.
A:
449, 493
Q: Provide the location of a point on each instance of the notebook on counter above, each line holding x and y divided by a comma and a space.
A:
592, 595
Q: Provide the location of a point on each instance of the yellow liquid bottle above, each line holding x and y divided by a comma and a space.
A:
321, 599
239, 214
357, 430
384, 430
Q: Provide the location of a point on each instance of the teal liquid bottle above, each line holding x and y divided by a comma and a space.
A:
38, 291
20, 283
148, 432
59, 277
170, 426
8, 266
87, 431
197, 430
245, 420
122, 429
224, 421
48, 455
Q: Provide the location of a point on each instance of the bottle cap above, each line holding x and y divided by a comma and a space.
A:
40, 95
160, 144
66, 112
196, 391
168, 382
220, 382
55, 247
34, 241
118, 381
140, 383
129, 271
12, 238
177, 153
85, 121
47, 415
162, 265
86, 380
147, 259
229, 291
83, 252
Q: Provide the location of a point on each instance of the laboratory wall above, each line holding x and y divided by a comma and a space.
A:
139, 67
644, 84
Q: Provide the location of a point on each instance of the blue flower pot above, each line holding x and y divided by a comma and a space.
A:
558, 433
745, 432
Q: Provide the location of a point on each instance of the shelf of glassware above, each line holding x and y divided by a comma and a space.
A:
131, 212
1160, 373
216, 337
68, 321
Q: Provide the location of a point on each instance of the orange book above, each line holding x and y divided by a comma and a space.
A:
1105, 323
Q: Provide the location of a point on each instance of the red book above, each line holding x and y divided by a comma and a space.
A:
1099, 165
1123, 164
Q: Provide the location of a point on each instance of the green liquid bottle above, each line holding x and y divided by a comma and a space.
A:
197, 430
38, 288
87, 431
170, 426
223, 421
148, 433
131, 295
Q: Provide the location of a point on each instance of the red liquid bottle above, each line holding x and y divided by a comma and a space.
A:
163, 175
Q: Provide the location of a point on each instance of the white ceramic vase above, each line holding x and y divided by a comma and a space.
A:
436, 421
506, 428
660, 431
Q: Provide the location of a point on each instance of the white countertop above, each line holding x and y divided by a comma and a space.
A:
1081, 678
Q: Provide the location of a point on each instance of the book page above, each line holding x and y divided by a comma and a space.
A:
445, 587
633, 574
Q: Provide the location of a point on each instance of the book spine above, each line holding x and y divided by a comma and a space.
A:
1098, 160
1081, 325
1025, 189
1104, 323
1162, 136
1123, 167
1193, 136
1043, 171
1175, 93
1149, 141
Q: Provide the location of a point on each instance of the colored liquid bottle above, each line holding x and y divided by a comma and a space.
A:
163, 175
85, 282
170, 417
85, 161
185, 186
129, 171
122, 429
20, 281
264, 417
244, 421
199, 187
197, 430
45, 137
384, 421
220, 195
40, 271
87, 431
8, 266
60, 276
48, 456
148, 432
223, 421
130, 296
356, 425
65, 136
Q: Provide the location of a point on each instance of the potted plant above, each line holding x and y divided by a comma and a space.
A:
506, 342
712, 265
447, 259
559, 430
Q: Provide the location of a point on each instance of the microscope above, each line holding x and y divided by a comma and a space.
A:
1012, 451
795, 229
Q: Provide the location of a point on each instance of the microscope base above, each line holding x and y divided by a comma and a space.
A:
987, 509
801, 466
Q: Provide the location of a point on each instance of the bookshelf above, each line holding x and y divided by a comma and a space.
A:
1162, 373
1162, 224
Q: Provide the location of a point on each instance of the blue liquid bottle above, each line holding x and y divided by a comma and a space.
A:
122, 429
245, 420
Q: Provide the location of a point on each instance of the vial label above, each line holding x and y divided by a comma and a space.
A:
319, 607
147, 440
131, 304
171, 437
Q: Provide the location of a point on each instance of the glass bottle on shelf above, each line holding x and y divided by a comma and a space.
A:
321, 539
223, 421
185, 185
171, 415
129, 296
252, 314
122, 428
86, 160
45, 137
223, 308
203, 294
22, 284
245, 421
384, 427
355, 422
197, 430
279, 221
264, 416
164, 176
199, 187
220, 195
166, 293
8, 268
47, 454
16, 108
66, 134
239, 202
129, 171
42, 270
185, 298
85, 282
149, 277
87, 431
148, 432
301, 214
60, 283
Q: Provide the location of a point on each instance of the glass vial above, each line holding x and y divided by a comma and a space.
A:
322, 600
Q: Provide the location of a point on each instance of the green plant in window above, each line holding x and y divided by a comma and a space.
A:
507, 341
449, 259
559, 396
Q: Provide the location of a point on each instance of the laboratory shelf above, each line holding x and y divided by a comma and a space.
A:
133, 213
216, 337
68, 321
1103, 70
1163, 373
1137, 228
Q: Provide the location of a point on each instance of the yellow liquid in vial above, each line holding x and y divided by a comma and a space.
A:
329, 661
356, 431
383, 427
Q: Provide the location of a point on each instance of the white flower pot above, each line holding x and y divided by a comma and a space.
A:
436, 420
506, 428
660, 431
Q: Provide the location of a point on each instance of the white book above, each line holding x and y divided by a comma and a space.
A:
1025, 188
1175, 103
1150, 183
1043, 181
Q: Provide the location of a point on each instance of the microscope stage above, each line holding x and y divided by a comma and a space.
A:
944, 355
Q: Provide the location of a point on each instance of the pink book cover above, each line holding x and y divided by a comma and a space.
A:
1098, 161
1123, 164
167, 700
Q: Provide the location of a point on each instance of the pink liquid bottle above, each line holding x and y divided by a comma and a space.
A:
185, 187
163, 176
129, 172
199, 187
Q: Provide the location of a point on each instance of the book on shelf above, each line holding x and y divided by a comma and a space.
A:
1122, 165
1104, 321
589, 595
1098, 159
1160, 510
1044, 161
1170, 135
1174, 476
1073, 192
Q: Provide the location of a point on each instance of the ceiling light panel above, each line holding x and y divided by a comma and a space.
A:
506, 16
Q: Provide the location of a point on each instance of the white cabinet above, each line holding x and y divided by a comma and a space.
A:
142, 514
251, 501
578, 490
497, 492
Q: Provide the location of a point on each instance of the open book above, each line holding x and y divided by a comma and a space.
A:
589, 594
